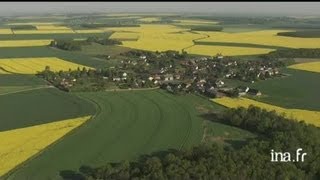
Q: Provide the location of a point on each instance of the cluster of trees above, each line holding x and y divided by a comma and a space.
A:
103, 41
152, 55
207, 28
23, 27
76, 80
301, 33
249, 161
293, 53
67, 44
75, 45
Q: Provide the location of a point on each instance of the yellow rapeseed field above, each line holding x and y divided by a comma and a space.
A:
309, 66
24, 43
18, 145
158, 37
3, 72
34, 65
264, 37
125, 35
5, 31
310, 117
226, 50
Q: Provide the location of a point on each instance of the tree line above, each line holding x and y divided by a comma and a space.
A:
293, 53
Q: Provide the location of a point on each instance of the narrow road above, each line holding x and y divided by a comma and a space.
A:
134, 89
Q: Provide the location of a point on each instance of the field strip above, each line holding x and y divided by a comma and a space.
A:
24, 90
310, 117
38, 64
161, 116
308, 66
24, 43
120, 126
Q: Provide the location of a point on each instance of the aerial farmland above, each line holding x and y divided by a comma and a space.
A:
105, 95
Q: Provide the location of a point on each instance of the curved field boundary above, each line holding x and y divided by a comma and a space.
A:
194, 40
189, 119
24, 163
161, 116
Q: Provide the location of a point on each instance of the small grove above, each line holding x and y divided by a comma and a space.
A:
75, 45
205, 161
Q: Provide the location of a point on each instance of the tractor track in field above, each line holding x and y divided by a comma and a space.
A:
98, 154
25, 90
189, 119
125, 126
158, 123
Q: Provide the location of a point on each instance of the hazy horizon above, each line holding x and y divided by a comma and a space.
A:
256, 8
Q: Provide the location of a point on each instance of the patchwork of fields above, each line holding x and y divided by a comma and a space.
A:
18, 145
263, 37
45, 28
310, 117
157, 37
177, 38
128, 124
40, 106
291, 92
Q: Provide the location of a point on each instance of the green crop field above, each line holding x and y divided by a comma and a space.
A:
40, 106
20, 80
127, 124
300, 89
10, 83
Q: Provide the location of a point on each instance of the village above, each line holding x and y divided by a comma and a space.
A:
175, 72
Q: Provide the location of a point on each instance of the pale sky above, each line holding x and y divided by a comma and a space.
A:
263, 8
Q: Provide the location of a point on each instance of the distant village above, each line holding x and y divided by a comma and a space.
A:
175, 72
